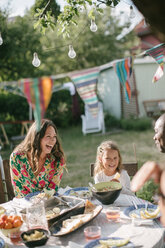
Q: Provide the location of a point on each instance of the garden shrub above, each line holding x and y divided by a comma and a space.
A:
14, 107
111, 121
148, 191
138, 124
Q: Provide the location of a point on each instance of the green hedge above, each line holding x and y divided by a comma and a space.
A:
137, 124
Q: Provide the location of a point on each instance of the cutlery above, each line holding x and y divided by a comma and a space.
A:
63, 202
135, 205
146, 205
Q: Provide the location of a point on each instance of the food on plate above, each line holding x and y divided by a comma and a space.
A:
56, 210
37, 235
9, 222
76, 221
150, 214
89, 206
48, 193
71, 224
107, 188
52, 213
80, 193
133, 215
146, 214
117, 176
113, 242
2, 210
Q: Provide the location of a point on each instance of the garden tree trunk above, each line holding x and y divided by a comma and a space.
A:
75, 107
154, 13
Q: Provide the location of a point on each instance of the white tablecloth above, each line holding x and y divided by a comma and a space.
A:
146, 236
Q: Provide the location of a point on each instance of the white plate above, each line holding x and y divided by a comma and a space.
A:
81, 192
132, 212
95, 243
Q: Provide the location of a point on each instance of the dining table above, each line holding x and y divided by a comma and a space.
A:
146, 234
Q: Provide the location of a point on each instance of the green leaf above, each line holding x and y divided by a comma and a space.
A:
37, 24
100, 10
115, 2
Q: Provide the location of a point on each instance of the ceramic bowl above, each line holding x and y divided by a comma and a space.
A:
8, 232
111, 193
2, 210
36, 242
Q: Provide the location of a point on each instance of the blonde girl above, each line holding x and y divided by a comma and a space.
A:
108, 163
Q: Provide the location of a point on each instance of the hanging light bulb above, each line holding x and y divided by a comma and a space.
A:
93, 26
36, 62
132, 12
1, 40
71, 53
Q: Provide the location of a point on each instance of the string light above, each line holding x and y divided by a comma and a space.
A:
36, 62
1, 40
93, 26
71, 53
132, 12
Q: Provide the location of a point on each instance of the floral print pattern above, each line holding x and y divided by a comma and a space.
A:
23, 179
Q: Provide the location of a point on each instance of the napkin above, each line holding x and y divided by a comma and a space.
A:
125, 200
74, 245
61, 191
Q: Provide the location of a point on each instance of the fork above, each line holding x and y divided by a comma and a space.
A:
68, 204
146, 205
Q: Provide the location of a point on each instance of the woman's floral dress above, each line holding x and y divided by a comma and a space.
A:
23, 179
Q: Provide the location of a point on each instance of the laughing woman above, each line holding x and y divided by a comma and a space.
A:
38, 161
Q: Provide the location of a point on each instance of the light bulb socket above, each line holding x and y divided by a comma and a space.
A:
132, 12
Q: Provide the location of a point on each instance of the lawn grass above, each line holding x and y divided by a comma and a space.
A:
80, 151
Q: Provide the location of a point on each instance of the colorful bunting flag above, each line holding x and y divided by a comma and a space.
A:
123, 69
38, 92
85, 82
157, 52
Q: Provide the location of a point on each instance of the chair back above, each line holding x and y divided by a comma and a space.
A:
6, 188
91, 124
130, 167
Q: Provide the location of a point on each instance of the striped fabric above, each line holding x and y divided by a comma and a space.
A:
157, 52
38, 92
85, 82
123, 69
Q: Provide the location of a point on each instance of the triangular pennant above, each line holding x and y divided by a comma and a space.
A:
123, 69
157, 52
86, 84
38, 93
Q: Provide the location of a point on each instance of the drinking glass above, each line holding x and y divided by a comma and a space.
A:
92, 232
35, 216
113, 214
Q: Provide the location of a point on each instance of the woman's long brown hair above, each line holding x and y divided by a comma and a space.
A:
31, 143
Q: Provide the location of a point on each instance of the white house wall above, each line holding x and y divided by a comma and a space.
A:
108, 88
144, 72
